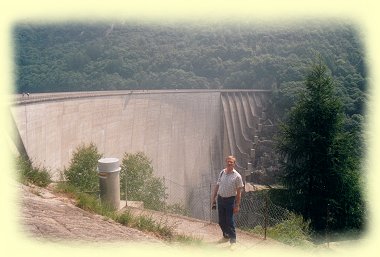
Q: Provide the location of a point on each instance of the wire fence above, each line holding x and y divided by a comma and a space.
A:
257, 211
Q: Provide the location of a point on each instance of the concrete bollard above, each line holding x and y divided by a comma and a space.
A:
109, 181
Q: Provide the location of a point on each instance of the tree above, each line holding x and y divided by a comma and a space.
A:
137, 176
321, 168
82, 171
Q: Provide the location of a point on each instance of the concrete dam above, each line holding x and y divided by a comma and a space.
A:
185, 133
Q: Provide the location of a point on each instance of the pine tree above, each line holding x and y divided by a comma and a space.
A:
321, 168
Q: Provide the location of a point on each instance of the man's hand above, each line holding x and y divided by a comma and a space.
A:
236, 208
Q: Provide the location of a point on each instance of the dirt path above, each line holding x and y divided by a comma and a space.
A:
45, 215
208, 232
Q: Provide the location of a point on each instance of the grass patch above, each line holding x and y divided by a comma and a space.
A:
188, 240
146, 223
93, 204
66, 189
28, 173
126, 218
164, 231
293, 231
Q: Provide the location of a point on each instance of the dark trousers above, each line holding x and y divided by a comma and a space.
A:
226, 217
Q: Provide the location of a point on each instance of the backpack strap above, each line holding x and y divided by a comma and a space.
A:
221, 173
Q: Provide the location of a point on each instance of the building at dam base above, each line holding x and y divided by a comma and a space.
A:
186, 133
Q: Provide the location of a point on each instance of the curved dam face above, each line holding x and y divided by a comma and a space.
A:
186, 133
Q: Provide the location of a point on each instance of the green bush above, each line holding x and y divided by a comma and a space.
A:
82, 180
29, 174
82, 171
293, 231
137, 177
126, 218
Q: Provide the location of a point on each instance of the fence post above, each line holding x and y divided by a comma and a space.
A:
327, 225
210, 207
266, 216
126, 188
166, 205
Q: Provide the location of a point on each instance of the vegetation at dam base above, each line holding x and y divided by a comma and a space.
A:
296, 235
138, 183
29, 173
136, 171
81, 184
81, 172
293, 231
81, 190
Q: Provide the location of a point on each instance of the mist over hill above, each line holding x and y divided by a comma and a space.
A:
129, 55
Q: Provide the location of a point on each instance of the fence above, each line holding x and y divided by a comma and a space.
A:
256, 209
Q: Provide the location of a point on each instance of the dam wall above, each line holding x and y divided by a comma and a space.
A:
186, 133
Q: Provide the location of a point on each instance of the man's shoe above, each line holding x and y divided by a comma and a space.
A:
223, 240
233, 246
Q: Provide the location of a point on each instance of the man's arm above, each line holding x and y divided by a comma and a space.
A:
213, 197
237, 200
216, 188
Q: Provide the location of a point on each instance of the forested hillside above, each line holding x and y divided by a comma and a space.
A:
108, 56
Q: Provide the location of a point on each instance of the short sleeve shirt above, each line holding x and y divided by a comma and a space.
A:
229, 183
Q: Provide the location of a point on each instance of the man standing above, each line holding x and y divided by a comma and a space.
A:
228, 190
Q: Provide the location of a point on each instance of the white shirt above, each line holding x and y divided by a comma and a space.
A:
229, 183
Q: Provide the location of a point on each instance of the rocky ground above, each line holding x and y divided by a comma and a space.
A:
52, 217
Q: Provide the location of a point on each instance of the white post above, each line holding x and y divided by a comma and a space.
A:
109, 181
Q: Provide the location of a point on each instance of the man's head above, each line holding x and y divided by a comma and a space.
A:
230, 161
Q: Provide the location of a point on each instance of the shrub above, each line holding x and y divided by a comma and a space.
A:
29, 174
293, 231
137, 177
126, 218
82, 170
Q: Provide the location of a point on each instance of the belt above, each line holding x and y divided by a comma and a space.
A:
225, 198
